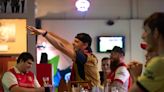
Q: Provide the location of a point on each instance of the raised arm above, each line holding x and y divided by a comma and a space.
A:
57, 41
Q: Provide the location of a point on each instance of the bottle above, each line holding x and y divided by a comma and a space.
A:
82, 90
106, 88
107, 85
73, 88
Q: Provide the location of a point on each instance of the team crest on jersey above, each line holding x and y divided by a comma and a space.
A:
29, 78
19, 78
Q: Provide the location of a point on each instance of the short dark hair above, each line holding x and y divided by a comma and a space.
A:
105, 58
24, 56
118, 49
85, 38
156, 20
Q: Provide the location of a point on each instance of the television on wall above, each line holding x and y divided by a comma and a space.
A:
106, 43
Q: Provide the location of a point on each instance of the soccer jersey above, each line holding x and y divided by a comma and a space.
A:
13, 77
122, 75
152, 79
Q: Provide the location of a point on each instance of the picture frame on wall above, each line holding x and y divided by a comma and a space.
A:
13, 36
13, 6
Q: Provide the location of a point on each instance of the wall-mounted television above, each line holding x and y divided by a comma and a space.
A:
106, 43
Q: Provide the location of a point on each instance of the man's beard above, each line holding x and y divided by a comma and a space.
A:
114, 64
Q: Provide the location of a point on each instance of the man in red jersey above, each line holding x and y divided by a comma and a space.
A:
20, 78
120, 78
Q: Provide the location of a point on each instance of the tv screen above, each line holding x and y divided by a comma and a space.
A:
106, 43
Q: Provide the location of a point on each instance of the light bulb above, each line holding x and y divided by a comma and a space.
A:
82, 5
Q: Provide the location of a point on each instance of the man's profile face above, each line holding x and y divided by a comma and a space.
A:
115, 60
26, 65
77, 44
115, 56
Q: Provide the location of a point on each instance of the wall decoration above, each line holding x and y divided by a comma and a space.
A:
12, 6
13, 36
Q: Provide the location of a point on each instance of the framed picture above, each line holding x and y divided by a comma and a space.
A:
13, 36
13, 6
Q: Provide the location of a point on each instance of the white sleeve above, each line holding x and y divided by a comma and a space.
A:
36, 83
122, 74
9, 80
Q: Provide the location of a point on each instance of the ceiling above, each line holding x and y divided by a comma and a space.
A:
66, 9
99, 9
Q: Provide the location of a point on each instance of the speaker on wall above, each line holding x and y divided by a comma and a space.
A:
110, 22
38, 23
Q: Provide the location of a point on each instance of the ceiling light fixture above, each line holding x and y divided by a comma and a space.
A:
82, 5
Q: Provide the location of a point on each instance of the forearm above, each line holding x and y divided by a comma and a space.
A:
58, 42
59, 38
66, 48
54, 41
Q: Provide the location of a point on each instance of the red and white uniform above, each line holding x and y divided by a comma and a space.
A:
13, 77
122, 75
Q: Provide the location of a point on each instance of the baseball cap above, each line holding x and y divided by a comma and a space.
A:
118, 49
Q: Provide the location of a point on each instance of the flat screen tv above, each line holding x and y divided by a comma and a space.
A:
106, 43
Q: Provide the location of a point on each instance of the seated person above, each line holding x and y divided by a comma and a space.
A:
20, 78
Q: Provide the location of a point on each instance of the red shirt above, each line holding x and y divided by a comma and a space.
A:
121, 76
24, 80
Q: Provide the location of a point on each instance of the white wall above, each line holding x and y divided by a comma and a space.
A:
99, 9
131, 29
136, 31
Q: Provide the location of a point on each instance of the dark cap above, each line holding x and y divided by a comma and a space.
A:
118, 49
85, 38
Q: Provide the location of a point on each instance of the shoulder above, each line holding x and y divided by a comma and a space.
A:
152, 78
155, 64
92, 58
7, 76
156, 61
122, 69
153, 67
80, 53
122, 73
